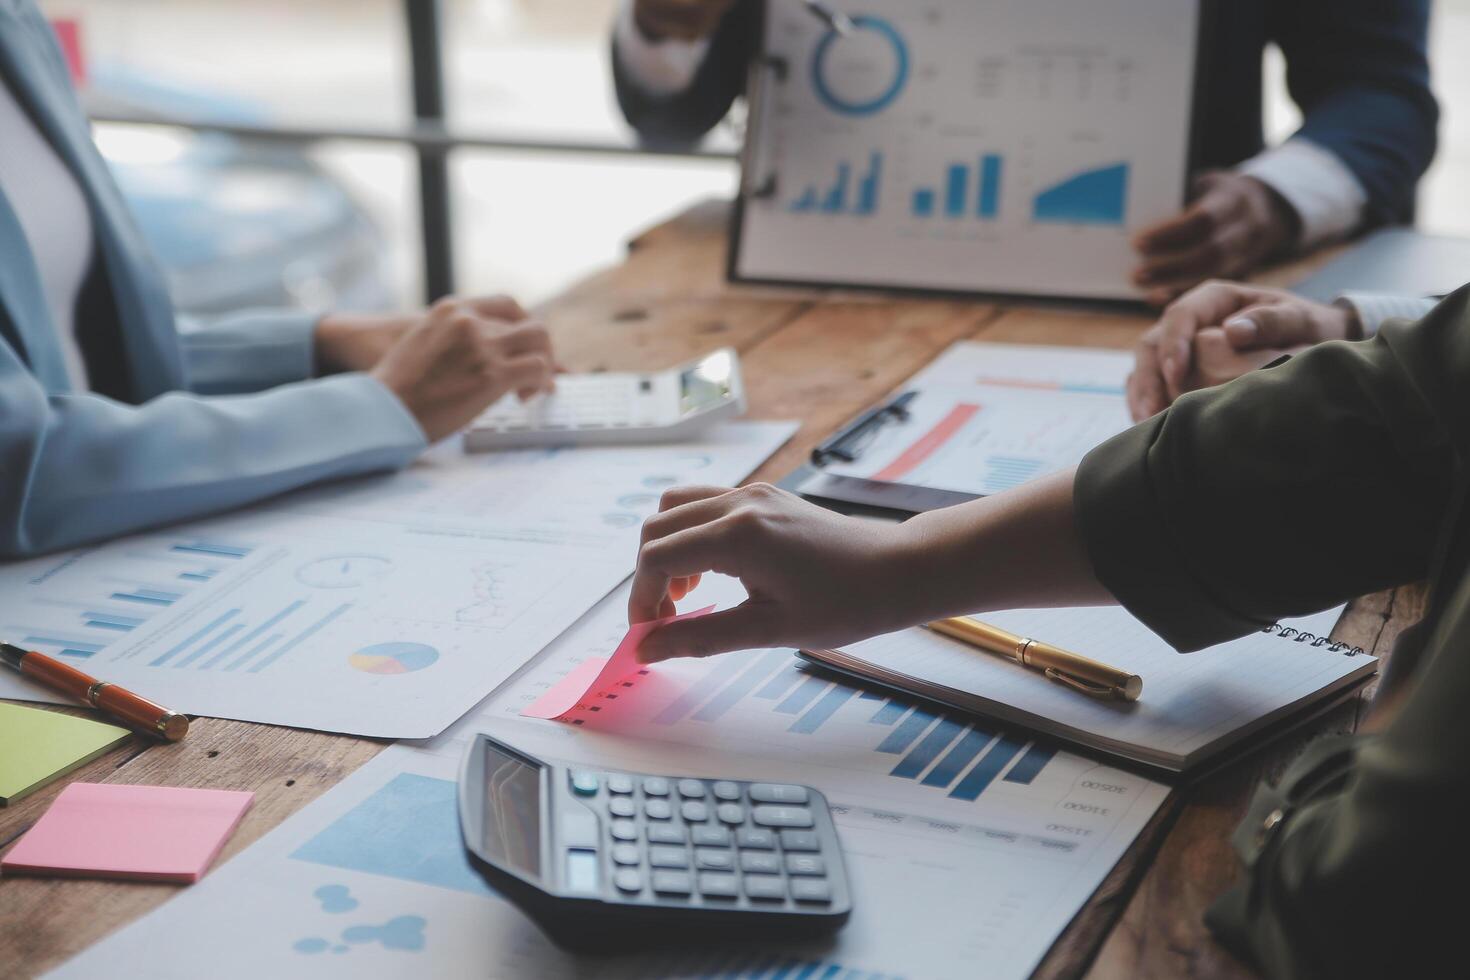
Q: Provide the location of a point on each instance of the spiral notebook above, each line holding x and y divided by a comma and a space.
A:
1194, 706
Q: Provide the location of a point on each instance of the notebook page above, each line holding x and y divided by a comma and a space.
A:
1189, 701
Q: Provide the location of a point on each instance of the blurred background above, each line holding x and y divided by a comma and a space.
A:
336, 223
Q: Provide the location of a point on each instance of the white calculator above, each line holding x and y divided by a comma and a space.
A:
611, 409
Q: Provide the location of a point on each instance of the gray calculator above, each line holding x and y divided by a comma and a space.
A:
605, 860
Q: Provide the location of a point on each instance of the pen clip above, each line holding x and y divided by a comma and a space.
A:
1077, 684
848, 444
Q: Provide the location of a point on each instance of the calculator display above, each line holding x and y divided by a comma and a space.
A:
706, 384
512, 819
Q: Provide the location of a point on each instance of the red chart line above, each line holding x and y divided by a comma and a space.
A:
927, 444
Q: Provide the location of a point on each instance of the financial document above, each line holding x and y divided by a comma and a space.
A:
969, 847
989, 417
385, 606
1011, 145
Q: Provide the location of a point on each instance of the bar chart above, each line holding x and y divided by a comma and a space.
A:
968, 191
76, 613
936, 750
843, 195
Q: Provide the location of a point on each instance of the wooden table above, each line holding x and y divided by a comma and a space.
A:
815, 356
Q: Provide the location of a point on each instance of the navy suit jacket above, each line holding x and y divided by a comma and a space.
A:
1358, 69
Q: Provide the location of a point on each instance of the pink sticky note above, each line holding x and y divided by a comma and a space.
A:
150, 833
596, 674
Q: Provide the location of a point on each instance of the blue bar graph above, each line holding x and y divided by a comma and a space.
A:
903, 736
299, 639
804, 695
65, 646
824, 709
927, 750
1093, 197
253, 634
836, 198
957, 759
213, 549
193, 638
248, 654
210, 645
923, 206
889, 713
1005, 472
140, 598
699, 692
111, 621
986, 769
1030, 764
955, 190
740, 688
780, 684
835, 202
989, 204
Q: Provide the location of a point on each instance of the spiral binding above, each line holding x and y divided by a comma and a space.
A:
1312, 639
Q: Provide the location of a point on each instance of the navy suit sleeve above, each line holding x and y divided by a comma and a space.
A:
1359, 69
682, 119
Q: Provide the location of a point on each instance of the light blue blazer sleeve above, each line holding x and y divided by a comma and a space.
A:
80, 467
247, 351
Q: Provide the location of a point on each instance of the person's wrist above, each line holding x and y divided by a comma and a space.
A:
1283, 226
327, 341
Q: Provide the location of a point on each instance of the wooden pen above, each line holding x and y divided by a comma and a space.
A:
140, 713
1072, 669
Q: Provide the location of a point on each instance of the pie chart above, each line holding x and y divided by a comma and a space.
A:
393, 658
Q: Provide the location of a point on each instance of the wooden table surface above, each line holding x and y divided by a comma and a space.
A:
816, 356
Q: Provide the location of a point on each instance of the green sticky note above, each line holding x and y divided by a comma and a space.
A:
38, 746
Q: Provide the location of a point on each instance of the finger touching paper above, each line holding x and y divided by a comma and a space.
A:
597, 674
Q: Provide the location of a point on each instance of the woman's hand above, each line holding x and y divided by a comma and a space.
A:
814, 578
459, 359
358, 341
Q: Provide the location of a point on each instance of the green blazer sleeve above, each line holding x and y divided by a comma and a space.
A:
1338, 473
1246, 503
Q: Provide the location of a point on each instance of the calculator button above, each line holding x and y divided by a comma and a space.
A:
664, 833
626, 853
668, 857
712, 860
760, 863
811, 890
778, 793
730, 813
672, 882
628, 880
691, 789
782, 816
694, 811
655, 786
584, 783
805, 864
726, 790
712, 836
718, 886
620, 784
766, 887
755, 839
621, 806
800, 840
657, 809
623, 830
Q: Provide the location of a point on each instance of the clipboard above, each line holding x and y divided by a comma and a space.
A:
889, 183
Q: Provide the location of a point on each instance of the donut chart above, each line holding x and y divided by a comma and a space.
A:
872, 31
393, 658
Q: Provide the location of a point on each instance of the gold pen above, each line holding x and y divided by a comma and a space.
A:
1074, 670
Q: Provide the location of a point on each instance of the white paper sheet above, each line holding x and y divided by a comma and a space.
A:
969, 851
989, 417
384, 606
1011, 145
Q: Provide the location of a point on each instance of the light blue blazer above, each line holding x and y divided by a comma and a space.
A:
205, 416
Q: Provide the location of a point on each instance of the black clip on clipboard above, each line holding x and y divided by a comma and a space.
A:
859, 495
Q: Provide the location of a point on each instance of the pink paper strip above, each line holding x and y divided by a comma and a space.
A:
597, 674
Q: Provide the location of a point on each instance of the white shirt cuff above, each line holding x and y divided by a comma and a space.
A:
1326, 196
1375, 309
659, 67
